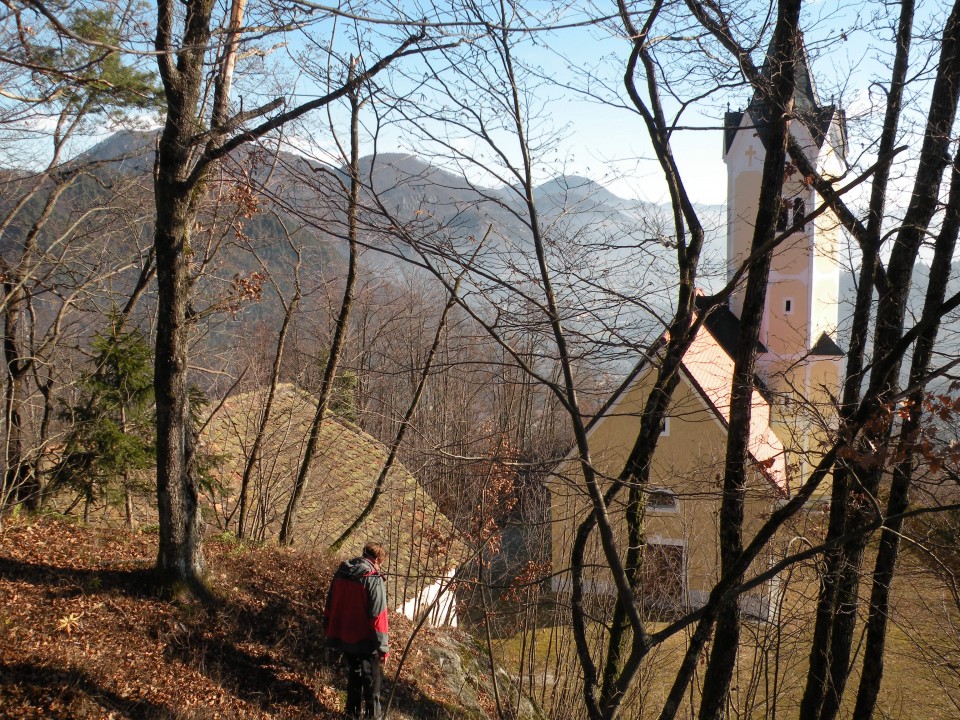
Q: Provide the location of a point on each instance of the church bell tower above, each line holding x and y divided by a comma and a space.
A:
801, 364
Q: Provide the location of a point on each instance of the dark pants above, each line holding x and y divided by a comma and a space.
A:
363, 685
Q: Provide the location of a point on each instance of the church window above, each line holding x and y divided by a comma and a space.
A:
799, 211
788, 306
665, 427
662, 500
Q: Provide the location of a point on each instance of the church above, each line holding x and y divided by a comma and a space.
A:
799, 368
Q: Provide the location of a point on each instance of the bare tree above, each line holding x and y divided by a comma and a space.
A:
290, 309
726, 641
340, 329
184, 42
402, 429
50, 77
607, 681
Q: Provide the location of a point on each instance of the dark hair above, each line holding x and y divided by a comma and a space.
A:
375, 551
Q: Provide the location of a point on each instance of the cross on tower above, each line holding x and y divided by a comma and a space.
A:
750, 153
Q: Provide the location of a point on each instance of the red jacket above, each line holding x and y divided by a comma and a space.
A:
355, 618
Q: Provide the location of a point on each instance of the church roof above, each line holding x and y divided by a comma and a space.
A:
826, 346
725, 327
805, 96
710, 367
823, 121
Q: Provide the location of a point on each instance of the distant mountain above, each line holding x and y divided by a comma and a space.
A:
126, 152
948, 337
585, 224
613, 256
578, 189
411, 188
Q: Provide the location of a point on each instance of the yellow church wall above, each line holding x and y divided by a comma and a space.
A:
829, 230
786, 331
690, 455
825, 292
826, 283
828, 242
689, 462
825, 382
744, 218
792, 256
804, 413
786, 379
824, 387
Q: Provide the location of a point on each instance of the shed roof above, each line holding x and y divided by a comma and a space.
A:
422, 542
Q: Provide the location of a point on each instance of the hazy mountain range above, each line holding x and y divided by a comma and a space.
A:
410, 188
579, 217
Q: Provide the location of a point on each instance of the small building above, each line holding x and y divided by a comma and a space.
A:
799, 368
423, 545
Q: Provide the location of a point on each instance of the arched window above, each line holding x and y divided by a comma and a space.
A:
799, 210
662, 500
783, 216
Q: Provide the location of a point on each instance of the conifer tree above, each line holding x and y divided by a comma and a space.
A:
113, 434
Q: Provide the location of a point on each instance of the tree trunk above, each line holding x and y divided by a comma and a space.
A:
127, 494
243, 519
19, 482
402, 430
899, 499
619, 671
180, 557
726, 640
836, 621
340, 332
870, 245
177, 189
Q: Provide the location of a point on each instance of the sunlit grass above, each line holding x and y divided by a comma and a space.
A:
922, 658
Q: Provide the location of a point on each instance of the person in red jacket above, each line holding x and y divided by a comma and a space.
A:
355, 622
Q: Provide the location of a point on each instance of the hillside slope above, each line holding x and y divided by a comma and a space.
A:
84, 635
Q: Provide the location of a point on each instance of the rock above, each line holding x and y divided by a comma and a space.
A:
464, 674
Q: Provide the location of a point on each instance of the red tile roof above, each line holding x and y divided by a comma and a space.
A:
710, 369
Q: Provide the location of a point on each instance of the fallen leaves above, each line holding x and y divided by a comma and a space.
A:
83, 637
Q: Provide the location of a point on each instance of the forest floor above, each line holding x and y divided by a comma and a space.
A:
84, 634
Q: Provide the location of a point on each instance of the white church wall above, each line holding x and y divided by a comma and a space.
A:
443, 612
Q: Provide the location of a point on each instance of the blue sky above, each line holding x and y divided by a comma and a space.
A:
850, 47
610, 144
